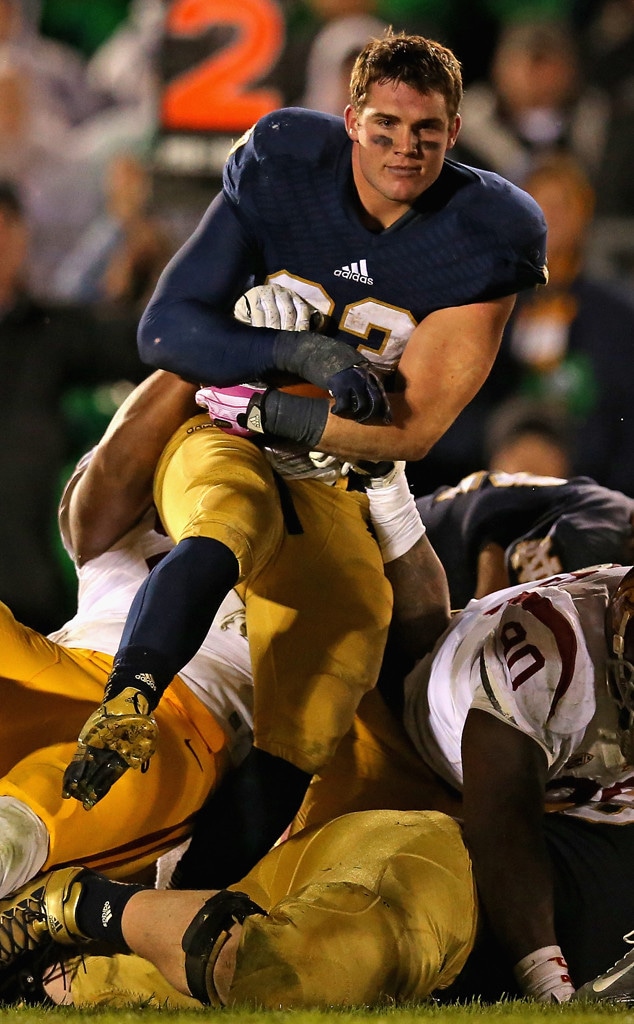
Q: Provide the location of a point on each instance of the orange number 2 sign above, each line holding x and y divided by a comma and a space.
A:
216, 94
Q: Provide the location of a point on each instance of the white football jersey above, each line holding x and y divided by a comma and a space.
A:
219, 674
534, 656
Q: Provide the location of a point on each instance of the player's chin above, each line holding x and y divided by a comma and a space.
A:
406, 188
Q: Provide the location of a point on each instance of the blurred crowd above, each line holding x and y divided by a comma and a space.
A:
87, 224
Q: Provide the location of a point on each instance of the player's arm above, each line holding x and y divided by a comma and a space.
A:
189, 328
115, 489
492, 573
503, 806
444, 365
421, 608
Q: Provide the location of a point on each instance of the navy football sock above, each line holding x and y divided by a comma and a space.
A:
171, 615
100, 907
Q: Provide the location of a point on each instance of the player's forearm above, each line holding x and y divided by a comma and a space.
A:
514, 879
421, 599
504, 779
116, 487
408, 438
203, 344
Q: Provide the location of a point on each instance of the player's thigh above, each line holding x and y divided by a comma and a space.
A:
375, 766
145, 813
46, 690
317, 621
211, 484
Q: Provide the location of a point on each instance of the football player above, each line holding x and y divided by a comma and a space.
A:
334, 208
396, 885
490, 530
50, 682
524, 704
495, 529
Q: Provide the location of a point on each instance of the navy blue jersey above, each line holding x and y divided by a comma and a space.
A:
545, 526
287, 213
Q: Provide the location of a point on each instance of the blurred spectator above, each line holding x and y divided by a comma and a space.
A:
573, 341
609, 40
331, 56
44, 350
534, 102
570, 343
61, 119
122, 253
527, 436
124, 71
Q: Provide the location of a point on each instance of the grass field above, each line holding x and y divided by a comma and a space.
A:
500, 1013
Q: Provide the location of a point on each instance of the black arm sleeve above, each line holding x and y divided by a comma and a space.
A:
188, 325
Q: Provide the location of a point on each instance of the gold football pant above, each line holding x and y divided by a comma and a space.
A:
317, 601
48, 692
374, 907
375, 766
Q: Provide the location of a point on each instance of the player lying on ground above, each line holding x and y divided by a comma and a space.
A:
526, 700
397, 886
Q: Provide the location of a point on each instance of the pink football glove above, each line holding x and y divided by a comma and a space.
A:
229, 407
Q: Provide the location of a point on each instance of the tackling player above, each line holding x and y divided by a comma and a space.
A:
415, 261
525, 701
49, 683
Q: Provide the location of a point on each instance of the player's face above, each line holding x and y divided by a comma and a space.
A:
401, 138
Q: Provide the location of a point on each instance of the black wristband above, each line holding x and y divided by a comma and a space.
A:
294, 417
314, 357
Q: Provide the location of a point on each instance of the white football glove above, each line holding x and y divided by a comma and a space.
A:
272, 305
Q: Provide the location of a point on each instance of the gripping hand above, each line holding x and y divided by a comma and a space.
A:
236, 409
120, 734
338, 368
359, 394
330, 364
272, 305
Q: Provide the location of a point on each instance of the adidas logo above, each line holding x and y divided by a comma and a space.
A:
355, 272
106, 914
145, 677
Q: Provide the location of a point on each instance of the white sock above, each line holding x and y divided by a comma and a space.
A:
23, 844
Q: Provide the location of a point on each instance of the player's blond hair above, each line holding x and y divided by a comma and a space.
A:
421, 63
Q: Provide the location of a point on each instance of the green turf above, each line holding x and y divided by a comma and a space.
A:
500, 1013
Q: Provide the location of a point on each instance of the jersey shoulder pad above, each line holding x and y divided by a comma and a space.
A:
291, 133
495, 204
589, 525
535, 667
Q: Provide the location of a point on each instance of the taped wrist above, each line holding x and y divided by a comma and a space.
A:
543, 975
294, 417
314, 357
395, 517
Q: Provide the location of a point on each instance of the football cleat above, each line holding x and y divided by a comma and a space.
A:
42, 909
122, 733
123, 724
614, 986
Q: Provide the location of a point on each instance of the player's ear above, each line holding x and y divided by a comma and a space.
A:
453, 132
351, 119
